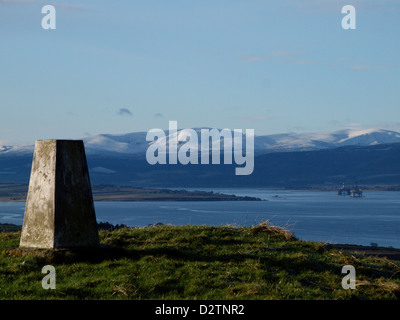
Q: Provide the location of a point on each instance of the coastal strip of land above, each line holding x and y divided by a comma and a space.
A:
18, 192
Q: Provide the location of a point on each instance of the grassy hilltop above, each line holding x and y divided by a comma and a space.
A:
195, 262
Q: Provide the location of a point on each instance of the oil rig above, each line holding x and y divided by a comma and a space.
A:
354, 191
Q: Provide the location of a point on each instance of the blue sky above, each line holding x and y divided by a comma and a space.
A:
125, 66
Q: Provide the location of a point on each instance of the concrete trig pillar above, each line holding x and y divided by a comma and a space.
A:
59, 209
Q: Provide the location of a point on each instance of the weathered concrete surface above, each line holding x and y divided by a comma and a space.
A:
59, 209
38, 227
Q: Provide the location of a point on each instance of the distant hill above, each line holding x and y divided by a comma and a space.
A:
372, 165
376, 164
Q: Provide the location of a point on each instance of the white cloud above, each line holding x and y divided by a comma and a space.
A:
124, 112
158, 115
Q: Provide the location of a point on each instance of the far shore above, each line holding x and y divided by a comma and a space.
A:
13, 192
18, 193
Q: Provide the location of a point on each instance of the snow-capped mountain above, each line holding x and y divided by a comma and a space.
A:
16, 150
324, 140
130, 143
370, 157
135, 143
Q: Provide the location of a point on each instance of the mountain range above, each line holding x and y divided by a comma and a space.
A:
135, 143
281, 160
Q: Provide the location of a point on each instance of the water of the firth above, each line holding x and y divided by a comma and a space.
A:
311, 215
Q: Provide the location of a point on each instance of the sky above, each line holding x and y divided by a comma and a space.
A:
113, 67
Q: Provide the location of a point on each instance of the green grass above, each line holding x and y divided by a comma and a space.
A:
195, 262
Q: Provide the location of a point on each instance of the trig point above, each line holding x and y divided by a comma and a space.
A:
59, 209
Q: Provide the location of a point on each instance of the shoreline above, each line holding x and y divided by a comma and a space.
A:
13, 192
392, 254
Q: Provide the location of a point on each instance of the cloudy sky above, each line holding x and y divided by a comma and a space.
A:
125, 66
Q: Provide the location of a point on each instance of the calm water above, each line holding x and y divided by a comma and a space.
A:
311, 215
